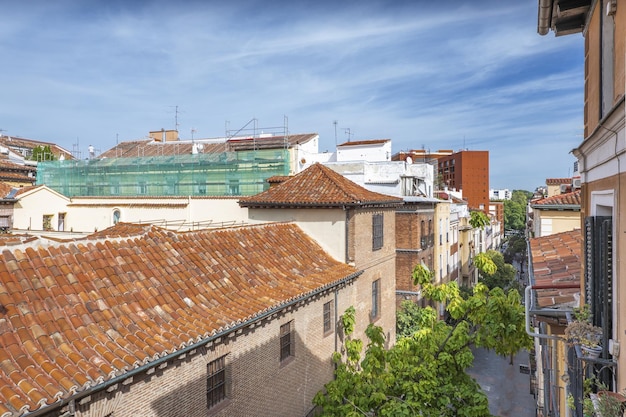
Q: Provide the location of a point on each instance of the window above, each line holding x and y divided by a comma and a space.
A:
375, 299
216, 381
171, 186
377, 231
61, 222
47, 222
142, 187
328, 319
286, 341
116, 216
599, 271
233, 187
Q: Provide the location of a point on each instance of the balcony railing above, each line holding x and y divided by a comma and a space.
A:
581, 368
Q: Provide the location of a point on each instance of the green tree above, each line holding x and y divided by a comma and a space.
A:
42, 153
504, 274
515, 210
425, 372
478, 219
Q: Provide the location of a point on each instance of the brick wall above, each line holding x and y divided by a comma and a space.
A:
260, 385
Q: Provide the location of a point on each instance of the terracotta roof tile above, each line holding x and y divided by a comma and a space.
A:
567, 199
558, 181
79, 313
318, 186
556, 263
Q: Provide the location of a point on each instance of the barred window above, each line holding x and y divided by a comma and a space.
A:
375, 299
328, 312
377, 231
216, 381
286, 341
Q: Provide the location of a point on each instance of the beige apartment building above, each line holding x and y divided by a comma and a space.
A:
600, 155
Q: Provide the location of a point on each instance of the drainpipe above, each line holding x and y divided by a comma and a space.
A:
346, 230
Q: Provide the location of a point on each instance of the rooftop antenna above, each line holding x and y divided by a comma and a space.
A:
348, 133
175, 117
335, 123
193, 130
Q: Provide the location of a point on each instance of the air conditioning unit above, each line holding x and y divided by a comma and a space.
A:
564, 188
576, 183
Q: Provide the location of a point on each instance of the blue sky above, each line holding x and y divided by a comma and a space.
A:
426, 74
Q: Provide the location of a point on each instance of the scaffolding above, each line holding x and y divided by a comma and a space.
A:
229, 173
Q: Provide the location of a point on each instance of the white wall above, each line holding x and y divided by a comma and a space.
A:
89, 214
326, 226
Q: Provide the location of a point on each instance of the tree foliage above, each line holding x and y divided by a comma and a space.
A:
478, 219
515, 210
504, 274
425, 372
42, 153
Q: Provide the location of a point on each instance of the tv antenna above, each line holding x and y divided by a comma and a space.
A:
348, 133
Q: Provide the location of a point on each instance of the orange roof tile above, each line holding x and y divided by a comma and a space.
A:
556, 263
568, 199
76, 314
318, 186
558, 181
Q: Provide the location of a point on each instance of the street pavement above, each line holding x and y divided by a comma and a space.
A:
507, 389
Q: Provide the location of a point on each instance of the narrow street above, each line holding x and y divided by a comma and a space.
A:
507, 389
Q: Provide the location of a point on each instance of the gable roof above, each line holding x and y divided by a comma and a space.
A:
318, 186
556, 263
567, 200
77, 316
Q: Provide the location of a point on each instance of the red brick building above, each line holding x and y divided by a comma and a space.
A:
467, 171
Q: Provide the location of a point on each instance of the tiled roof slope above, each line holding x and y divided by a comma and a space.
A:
567, 199
556, 263
558, 181
76, 314
149, 147
318, 186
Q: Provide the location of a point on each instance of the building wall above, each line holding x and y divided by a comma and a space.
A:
549, 222
442, 241
29, 211
87, 214
468, 171
326, 226
602, 197
377, 265
602, 154
258, 383
365, 152
414, 244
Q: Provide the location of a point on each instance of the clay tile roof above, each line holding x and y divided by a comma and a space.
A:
558, 181
556, 263
5, 190
318, 186
567, 199
77, 314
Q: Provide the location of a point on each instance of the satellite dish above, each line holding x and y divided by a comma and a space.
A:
409, 160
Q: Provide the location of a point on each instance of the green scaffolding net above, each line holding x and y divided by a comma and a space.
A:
237, 173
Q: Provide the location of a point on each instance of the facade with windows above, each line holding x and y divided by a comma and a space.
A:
150, 322
353, 224
415, 243
601, 167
